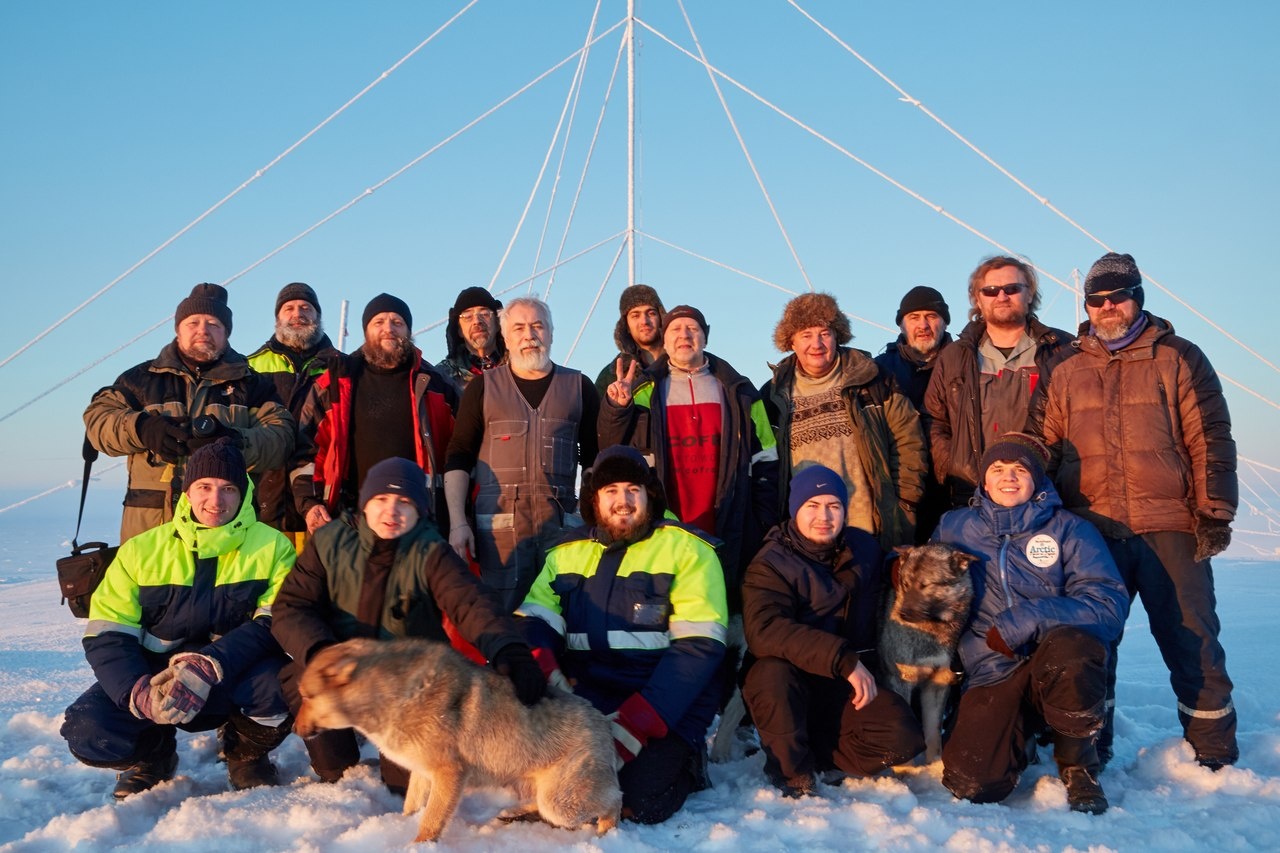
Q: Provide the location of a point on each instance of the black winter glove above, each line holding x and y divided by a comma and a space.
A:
1213, 535
163, 435
207, 429
516, 662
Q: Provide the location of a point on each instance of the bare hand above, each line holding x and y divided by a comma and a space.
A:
462, 540
864, 687
620, 391
317, 517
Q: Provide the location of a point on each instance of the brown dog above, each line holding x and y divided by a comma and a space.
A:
926, 609
451, 723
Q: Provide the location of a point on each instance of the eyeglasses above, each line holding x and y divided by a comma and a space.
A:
476, 315
994, 290
1115, 297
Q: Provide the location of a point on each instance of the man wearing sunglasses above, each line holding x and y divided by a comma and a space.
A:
1141, 445
984, 383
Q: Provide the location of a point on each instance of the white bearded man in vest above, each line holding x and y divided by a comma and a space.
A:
522, 429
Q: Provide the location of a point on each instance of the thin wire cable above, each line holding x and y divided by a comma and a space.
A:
253, 178
575, 88
586, 164
340, 210
754, 278
594, 302
742, 143
915, 102
936, 208
69, 484
543, 169
1248, 390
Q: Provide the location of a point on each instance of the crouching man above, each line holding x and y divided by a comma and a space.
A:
809, 602
629, 612
1048, 600
179, 636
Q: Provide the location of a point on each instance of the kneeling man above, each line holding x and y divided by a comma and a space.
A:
179, 637
632, 607
809, 605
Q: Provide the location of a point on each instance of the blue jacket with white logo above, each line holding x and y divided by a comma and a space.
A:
1038, 567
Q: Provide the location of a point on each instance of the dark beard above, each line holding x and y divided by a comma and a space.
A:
375, 355
611, 534
299, 338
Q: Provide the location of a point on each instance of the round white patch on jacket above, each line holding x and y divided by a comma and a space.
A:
1043, 550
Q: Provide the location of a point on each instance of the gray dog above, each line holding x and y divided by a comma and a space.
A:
926, 609
452, 723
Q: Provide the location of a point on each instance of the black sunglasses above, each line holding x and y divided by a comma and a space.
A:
993, 290
1115, 297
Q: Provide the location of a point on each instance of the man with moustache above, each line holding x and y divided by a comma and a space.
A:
983, 384
629, 613
638, 333
472, 338
523, 428
705, 428
831, 405
381, 402
194, 392
293, 357
923, 317
1140, 442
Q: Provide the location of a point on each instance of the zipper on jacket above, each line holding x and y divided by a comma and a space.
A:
1005, 540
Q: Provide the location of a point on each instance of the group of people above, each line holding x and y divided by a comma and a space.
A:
726, 535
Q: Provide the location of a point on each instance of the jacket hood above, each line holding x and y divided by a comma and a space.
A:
456, 345
1157, 328
214, 541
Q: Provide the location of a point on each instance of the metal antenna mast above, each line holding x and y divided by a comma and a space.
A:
631, 142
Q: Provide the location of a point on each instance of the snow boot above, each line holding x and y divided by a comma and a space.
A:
157, 767
1084, 794
247, 744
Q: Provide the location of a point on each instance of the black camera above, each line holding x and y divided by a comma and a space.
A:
204, 426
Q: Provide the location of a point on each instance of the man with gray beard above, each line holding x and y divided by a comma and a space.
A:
523, 428
380, 402
292, 358
1140, 442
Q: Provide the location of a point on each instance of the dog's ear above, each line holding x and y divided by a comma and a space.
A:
340, 671
960, 562
903, 549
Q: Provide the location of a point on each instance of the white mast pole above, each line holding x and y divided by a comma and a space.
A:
342, 325
631, 142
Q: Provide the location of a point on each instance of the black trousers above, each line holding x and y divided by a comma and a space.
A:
1178, 595
807, 724
1063, 685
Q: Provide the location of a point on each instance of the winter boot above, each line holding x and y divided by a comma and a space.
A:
1084, 794
246, 744
158, 766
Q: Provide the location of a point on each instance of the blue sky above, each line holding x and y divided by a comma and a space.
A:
1152, 125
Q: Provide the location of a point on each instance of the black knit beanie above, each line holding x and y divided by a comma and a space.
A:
221, 459
1018, 447
397, 476
381, 304
686, 312
208, 299
1114, 271
475, 297
923, 298
298, 290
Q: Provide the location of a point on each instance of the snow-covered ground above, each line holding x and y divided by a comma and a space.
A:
1160, 799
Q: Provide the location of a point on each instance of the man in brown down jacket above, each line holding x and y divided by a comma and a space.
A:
1142, 447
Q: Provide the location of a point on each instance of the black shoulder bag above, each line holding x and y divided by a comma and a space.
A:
80, 574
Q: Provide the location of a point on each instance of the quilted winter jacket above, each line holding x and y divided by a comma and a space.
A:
886, 427
952, 402
318, 602
1141, 438
186, 587
1039, 567
229, 391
